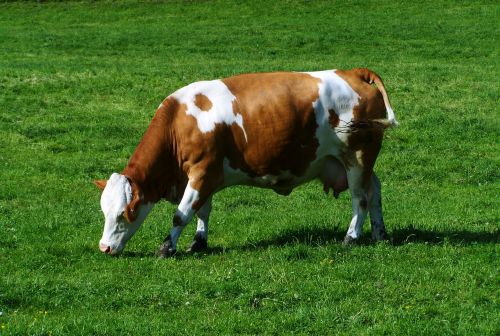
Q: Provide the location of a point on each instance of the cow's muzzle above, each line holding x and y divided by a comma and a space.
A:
105, 248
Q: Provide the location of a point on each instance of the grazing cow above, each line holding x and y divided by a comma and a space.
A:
270, 130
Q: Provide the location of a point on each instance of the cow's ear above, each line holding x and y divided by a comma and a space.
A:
101, 184
132, 210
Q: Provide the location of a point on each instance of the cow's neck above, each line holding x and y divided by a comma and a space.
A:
153, 166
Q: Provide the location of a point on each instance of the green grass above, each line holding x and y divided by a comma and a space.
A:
79, 83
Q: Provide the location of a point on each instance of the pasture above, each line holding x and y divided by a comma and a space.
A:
79, 83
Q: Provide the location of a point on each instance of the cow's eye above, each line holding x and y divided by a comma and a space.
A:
120, 223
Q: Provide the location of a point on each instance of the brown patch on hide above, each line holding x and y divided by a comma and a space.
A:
202, 102
333, 118
279, 120
368, 142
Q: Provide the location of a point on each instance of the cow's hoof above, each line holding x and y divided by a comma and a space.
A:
379, 235
348, 240
199, 244
381, 238
166, 252
166, 249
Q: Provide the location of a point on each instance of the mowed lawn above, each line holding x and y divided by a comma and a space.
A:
79, 83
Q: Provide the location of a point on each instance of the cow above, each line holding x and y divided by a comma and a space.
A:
273, 130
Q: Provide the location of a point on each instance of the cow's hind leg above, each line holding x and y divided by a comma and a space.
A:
376, 218
359, 195
200, 240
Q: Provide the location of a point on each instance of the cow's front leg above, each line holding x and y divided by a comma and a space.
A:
200, 240
376, 218
182, 217
359, 195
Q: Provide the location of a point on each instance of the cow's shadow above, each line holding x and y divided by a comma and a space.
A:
324, 236
306, 236
397, 237
461, 237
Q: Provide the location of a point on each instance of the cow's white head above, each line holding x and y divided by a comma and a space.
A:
124, 212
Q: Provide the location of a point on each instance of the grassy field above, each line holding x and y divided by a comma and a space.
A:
79, 83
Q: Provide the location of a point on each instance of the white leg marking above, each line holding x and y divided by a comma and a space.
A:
185, 210
203, 215
184, 213
359, 202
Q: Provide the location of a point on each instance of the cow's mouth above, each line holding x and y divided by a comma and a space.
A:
105, 248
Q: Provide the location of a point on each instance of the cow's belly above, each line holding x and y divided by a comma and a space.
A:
328, 169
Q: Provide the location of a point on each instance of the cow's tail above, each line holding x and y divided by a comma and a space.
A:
371, 77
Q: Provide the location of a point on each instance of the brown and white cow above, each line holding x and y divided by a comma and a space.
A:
271, 130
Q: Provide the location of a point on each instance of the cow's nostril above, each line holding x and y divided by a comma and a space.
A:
104, 248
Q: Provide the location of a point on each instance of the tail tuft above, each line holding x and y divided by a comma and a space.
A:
391, 117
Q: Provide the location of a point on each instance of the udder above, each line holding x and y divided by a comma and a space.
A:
334, 177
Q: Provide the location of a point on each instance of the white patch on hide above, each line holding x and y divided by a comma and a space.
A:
221, 111
337, 95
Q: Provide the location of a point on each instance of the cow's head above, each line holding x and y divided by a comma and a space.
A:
124, 211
